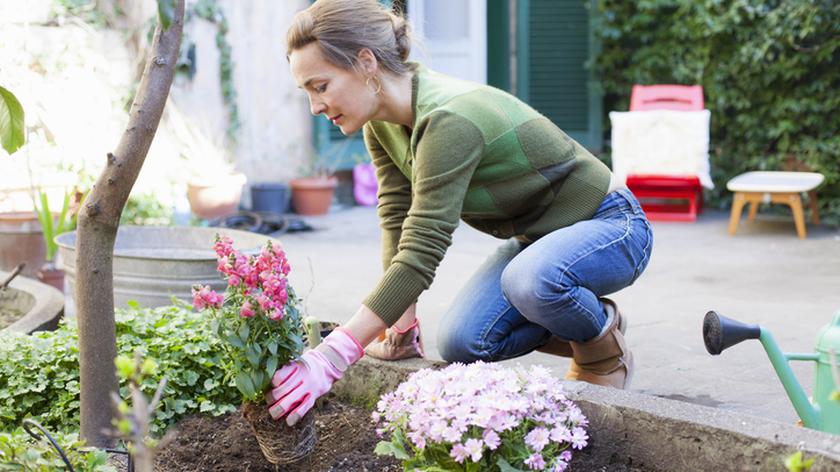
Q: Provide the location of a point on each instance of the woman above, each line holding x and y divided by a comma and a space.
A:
446, 150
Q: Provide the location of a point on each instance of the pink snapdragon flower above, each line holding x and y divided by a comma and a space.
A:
262, 280
246, 311
204, 297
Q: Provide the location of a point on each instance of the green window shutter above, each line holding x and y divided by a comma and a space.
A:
498, 44
336, 151
555, 44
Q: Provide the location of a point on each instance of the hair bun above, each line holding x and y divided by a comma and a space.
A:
402, 37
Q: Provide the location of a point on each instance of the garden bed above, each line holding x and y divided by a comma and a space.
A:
346, 440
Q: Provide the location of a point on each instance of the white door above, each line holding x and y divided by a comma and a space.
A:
453, 36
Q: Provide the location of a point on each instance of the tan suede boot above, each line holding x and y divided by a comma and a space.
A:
562, 348
604, 360
395, 344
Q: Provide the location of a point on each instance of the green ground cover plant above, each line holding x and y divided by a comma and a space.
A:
768, 69
39, 374
19, 452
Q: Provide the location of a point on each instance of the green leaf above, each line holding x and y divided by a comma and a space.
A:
245, 385
166, 12
253, 356
386, 448
505, 467
272, 347
125, 366
259, 379
271, 366
12, 132
234, 340
244, 331
149, 367
795, 462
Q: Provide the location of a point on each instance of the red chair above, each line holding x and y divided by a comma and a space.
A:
667, 197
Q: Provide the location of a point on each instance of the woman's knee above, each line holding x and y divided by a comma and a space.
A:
454, 348
529, 290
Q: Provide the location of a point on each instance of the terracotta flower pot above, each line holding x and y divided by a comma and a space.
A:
280, 443
21, 240
215, 198
313, 195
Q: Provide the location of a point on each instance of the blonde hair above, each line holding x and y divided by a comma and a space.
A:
342, 28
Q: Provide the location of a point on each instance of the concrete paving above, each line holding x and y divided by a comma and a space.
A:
764, 275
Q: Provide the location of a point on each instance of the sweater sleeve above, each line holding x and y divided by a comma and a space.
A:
393, 196
449, 148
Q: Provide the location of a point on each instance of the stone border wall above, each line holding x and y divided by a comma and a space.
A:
632, 431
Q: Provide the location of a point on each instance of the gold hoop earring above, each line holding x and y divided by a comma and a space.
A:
378, 84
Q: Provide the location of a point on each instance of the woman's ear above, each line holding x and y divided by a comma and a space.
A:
367, 62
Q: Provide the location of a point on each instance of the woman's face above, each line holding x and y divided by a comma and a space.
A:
339, 94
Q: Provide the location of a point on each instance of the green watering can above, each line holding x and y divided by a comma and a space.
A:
720, 332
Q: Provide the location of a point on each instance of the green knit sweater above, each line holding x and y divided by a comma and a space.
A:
474, 153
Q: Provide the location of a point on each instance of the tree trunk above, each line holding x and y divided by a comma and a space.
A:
97, 232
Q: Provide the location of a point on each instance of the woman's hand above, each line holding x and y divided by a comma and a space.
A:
299, 383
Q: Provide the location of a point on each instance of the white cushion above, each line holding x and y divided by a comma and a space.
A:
775, 181
661, 142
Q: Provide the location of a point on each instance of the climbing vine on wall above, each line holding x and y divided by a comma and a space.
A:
209, 10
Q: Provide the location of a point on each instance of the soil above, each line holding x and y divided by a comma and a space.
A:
9, 316
346, 440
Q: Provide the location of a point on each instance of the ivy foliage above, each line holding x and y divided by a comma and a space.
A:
39, 374
20, 452
209, 10
770, 70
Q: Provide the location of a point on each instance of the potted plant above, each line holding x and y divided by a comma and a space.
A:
214, 188
258, 321
51, 226
312, 193
215, 195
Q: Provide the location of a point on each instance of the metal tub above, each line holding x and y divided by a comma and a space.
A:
153, 264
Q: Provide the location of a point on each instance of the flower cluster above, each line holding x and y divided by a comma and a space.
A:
257, 317
262, 280
480, 417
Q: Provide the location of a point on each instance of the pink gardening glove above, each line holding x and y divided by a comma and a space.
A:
299, 383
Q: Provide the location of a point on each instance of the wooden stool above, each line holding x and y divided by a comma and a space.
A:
756, 188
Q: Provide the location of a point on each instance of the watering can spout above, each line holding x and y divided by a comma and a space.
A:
720, 332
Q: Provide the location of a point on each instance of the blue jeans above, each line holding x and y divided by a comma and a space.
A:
523, 294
